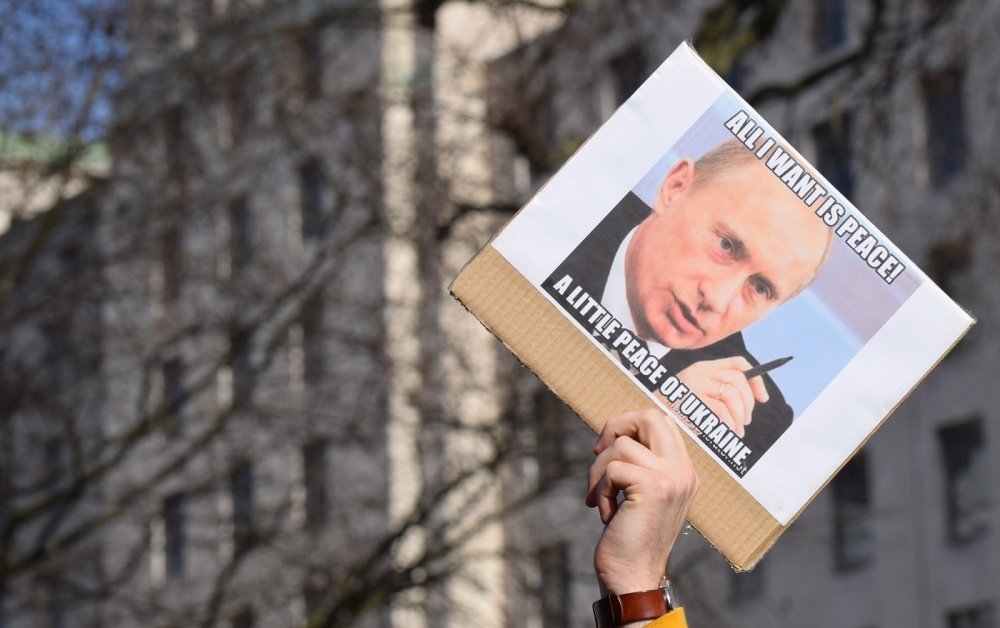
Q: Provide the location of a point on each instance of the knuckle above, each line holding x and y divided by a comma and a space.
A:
680, 485
649, 415
609, 427
614, 467
669, 487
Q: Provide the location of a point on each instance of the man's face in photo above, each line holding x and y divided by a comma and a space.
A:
717, 255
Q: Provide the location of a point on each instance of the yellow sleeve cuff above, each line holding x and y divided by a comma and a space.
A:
673, 619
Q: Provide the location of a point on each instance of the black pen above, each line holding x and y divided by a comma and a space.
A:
765, 367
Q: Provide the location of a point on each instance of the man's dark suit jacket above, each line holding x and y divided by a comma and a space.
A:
590, 264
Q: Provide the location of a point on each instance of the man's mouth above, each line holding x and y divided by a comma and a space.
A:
682, 319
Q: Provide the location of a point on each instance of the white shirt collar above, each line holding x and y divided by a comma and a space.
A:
616, 296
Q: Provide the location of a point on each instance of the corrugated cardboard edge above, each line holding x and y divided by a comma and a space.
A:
582, 376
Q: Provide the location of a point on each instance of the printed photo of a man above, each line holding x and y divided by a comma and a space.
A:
724, 243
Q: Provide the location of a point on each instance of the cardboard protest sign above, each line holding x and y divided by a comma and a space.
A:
686, 257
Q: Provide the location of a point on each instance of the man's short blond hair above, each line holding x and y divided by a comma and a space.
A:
721, 160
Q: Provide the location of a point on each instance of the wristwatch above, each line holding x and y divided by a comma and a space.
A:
613, 610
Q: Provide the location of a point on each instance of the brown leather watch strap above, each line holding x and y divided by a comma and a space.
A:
616, 610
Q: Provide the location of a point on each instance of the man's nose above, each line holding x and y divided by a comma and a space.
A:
719, 291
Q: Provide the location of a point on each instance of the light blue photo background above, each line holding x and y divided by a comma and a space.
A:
824, 326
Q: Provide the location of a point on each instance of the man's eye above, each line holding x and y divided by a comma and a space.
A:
726, 244
761, 288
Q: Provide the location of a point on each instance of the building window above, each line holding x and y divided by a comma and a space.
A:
314, 481
313, 339
976, 617
174, 395
944, 110
853, 544
553, 590
243, 619
313, 598
311, 181
56, 462
949, 264
56, 593
296, 357
240, 235
832, 139
193, 15
175, 537
241, 493
238, 107
627, 69
206, 12
967, 480
240, 367
736, 76
546, 118
831, 24
57, 356
171, 265
748, 586
173, 132
311, 53
549, 436
939, 7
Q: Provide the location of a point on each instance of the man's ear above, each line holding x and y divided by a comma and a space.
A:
677, 181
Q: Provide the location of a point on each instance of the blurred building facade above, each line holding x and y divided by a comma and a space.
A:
48, 393
905, 534
289, 387
246, 140
28, 166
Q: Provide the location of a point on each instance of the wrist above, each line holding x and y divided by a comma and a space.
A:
632, 586
629, 582
631, 610
621, 584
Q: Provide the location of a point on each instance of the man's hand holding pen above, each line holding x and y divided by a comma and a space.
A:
730, 387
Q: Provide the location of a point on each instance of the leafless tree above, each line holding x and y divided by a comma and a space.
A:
223, 300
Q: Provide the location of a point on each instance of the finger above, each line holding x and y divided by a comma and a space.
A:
746, 391
676, 440
738, 382
756, 384
607, 500
627, 424
759, 389
732, 401
723, 413
650, 427
618, 477
624, 449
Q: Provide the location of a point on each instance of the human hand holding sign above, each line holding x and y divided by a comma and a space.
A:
642, 456
724, 387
